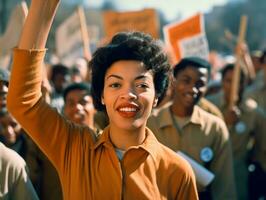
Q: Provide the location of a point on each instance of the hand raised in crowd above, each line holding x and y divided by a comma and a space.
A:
231, 116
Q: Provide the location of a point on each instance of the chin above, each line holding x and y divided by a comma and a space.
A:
131, 126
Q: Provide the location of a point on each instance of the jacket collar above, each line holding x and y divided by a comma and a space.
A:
149, 145
165, 118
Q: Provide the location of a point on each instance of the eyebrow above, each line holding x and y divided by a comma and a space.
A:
119, 77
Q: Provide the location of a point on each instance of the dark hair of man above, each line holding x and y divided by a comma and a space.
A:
229, 67
263, 57
191, 62
77, 86
129, 46
59, 69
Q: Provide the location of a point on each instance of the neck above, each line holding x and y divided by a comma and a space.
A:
181, 111
90, 123
124, 139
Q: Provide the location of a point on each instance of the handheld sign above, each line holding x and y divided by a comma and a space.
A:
145, 20
84, 33
12, 33
203, 176
187, 38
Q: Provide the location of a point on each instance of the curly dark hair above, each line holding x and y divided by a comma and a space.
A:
129, 46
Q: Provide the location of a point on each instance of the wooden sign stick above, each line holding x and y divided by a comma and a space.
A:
236, 74
84, 33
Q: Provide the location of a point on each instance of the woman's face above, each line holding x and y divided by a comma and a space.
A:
129, 94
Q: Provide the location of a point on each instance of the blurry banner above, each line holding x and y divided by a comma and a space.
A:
145, 20
84, 33
68, 36
12, 34
187, 38
73, 35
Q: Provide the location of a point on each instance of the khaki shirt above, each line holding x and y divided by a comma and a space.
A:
89, 168
205, 139
259, 96
251, 126
210, 107
14, 180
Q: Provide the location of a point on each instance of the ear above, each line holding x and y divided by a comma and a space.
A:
155, 102
102, 100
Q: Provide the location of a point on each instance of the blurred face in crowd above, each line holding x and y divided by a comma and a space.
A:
60, 81
3, 94
227, 85
79, 107
189, 86
9, 129
129, 95
256, 63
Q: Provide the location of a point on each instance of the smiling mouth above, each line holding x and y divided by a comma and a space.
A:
128, 112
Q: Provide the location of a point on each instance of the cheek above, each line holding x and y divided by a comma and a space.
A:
89, 107
203, 90
226, 86
147, 99
67, 110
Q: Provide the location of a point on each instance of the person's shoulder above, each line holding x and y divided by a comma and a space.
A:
210, 121
210, 107
173, 161
207, 116
11, 159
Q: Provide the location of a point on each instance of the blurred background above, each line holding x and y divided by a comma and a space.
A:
219, 15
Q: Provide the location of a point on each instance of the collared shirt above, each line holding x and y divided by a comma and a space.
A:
88, 167
251, 125
14, 180
205, 139
259, 96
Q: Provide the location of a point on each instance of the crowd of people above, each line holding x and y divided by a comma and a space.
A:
117, 127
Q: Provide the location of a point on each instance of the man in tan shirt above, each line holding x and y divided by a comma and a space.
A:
184, 126
246, 126
15, 183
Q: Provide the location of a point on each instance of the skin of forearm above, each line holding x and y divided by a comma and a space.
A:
38, 23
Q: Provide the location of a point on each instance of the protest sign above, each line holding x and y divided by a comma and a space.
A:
145, 20
75, 36
187, 38
12, 33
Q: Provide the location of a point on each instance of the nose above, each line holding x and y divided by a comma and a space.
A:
78, 107
9, 131
129, 94
195, 90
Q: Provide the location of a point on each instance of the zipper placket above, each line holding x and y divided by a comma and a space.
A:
123, 177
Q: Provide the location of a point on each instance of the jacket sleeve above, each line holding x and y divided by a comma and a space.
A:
49, 130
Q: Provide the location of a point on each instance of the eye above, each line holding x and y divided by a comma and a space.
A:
114, 85
83, 102
70, 103
185, 80
200, 84
142, 85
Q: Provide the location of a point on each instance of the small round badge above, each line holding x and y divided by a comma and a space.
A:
240, 127
206, 154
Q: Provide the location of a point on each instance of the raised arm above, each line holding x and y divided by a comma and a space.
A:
38, 24
44, 125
